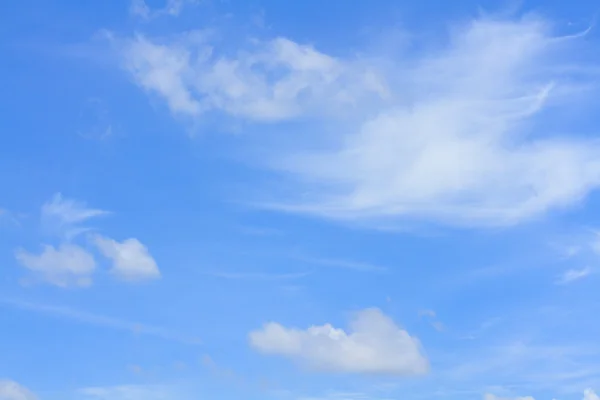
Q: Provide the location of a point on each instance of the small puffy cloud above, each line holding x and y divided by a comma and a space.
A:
130, 258
64, 216
10, 390
67, 265
373, 345
589, 394
573, 275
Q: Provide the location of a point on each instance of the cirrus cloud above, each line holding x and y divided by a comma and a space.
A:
456, 134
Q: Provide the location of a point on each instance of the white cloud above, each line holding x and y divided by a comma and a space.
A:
589, 394
103, 321
127, 392
573, 275
10, 390
69, 265
462, 148
456, 135
374, 345
140, 8
271, 81
493, 397
131, 259
64, 216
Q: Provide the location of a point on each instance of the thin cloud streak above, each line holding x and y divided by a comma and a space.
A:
101, 321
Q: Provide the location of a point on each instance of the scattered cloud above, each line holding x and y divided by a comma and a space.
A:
10, 390
445, 136
374, 345
102, 321
67, 265
127, 392
270, 81
173, 8
493, 397
345, 264
431, 317
573, 275
258, 276
589, 394
95, 120
131, 259
65, 216
460, 150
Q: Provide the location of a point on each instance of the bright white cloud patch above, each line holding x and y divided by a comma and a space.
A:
67, 265
64, 216
374, 345
454, 136
10, 390
131, 259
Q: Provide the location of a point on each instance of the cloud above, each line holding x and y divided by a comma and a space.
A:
374, 345
67, 265
102, 321
10, 390
64, 216
173, 8
465, 133
573, 275
127, 392
589, 394
493, 397
345, 264
131, 259
271, 81
463, 148
257, 276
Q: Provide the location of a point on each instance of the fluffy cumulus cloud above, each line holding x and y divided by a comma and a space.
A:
130, 258
67, 265
449, 134
10, 390
374, 345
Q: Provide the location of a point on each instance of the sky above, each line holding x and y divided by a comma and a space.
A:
301, 200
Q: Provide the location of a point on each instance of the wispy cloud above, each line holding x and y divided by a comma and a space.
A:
64, 216
101, 321
173, 8
573, 275
257, 276
128, 392
344, 264
446, 136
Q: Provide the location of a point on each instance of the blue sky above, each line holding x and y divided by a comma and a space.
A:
301, 200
